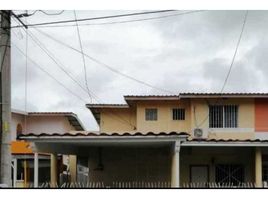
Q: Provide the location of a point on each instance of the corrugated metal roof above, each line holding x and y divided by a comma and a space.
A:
51, 113
103, 105
223, 140
241, 94
95, 134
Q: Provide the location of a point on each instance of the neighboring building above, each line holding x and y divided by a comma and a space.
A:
22, 152
185, 139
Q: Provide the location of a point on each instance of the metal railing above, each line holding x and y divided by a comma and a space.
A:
116, 184
223, 185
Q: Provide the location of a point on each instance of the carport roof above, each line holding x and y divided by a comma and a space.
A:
96, 134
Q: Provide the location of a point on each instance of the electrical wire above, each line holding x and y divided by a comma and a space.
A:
231, 65
46, 72
61, 66
52, 14
26, 78
82, 54
34, 12
105, 65
96, 18
124, 21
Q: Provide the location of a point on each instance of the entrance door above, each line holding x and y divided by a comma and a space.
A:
199, 174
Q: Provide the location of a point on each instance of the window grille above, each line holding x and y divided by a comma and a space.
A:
178, 113
229, 173
151, 114
265, 172
223, 116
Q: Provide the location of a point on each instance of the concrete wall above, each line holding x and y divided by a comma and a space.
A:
40, 124
48, 124
122, 119
130, 164
246, 118
164, 115
216, 155
196, 115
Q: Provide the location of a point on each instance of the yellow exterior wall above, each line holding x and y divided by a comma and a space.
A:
196, 112
246, 118
122, 119
147, 164
220, 155
164, 116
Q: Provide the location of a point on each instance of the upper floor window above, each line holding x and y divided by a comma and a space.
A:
178, 113
223, 116
150, 114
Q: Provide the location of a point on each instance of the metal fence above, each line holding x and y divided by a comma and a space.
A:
116, 184
144, 184
223, 185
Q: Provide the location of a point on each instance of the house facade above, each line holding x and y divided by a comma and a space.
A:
22, 152
190, 139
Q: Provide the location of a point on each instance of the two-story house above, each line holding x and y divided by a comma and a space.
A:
190, 139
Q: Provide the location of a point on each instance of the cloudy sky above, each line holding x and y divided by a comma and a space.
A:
186, 53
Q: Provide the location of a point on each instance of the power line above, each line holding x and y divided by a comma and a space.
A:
83, 57
52, 14
46, 72
124, 21
105, 65
60, 65
34, 12
236, 48
96, 18
231, 65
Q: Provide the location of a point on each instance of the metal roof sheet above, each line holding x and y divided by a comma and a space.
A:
92, 133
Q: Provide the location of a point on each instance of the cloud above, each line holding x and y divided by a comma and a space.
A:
187, 53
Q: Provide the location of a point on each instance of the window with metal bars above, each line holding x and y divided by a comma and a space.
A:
265, 172
229, 174
223, 116
178, 113
150, 114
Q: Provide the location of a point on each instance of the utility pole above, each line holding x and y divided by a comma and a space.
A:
5, 99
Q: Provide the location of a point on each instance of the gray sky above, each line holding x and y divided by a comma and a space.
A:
188, 53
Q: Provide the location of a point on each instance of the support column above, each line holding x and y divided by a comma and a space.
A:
15, 170
258, 167
175, 166
53, 169
72, 167
36, 170
25, 173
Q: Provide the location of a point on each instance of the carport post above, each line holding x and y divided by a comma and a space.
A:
53, 169
36, 170
15, 169
175, 165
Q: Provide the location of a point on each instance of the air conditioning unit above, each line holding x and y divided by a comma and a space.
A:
198, 132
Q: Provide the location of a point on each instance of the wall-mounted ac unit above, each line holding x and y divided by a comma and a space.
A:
198, 133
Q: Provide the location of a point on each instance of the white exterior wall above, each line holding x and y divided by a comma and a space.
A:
48, 124
40, 124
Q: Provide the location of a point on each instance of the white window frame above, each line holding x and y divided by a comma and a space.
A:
223, 107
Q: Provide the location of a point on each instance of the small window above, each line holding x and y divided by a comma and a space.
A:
151, 114
178, 113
